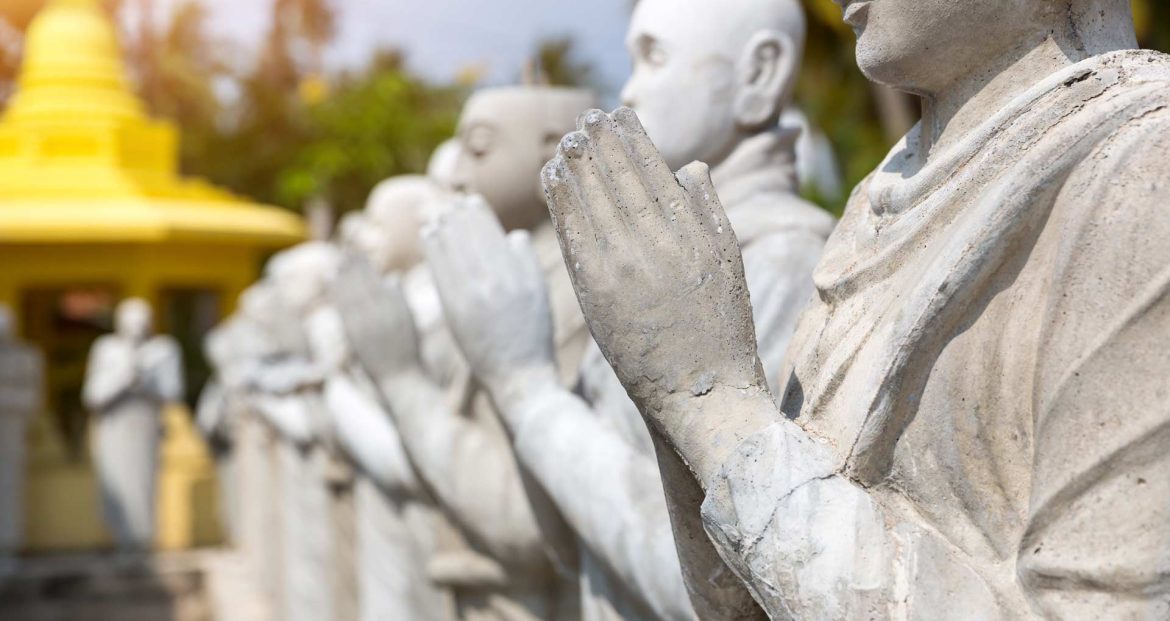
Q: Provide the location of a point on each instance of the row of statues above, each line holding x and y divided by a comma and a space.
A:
690, 394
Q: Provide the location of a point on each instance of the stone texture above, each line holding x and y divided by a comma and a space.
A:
972, 410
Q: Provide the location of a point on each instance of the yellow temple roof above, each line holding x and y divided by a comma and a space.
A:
80, 160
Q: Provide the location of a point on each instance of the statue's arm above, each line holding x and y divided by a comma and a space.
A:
364, 430
608, 491
467, 465
470, 469
1096, 544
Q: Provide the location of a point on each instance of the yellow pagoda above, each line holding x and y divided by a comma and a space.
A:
93, 210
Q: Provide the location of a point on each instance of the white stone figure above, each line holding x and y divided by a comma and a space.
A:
22, 376
399, 529
454, 440
236, 350
315, 548
130, 377
586, 453
973, 423
441, 167
255, 443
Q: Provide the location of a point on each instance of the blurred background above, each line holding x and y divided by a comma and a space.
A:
328, 97
270, 109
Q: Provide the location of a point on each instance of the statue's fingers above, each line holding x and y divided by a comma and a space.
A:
593, 191
478, 229
440, 247
695, 179
656, 173
621, 175
587, 223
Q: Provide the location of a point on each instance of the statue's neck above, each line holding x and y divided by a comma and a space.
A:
764, 162
950, 115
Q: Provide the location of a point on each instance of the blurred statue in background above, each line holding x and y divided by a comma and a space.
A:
316, 545
973, 419
130, 377
441, 167
237, 350
456, 444
399, 528
22, 376
594, 456
247, 343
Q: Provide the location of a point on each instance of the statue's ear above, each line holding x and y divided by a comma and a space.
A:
765, 75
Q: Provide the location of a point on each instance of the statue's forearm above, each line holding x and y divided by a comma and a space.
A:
623, 520
469, 468
705, 430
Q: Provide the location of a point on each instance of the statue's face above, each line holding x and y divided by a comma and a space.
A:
133, 319
505, 137
683, 84
923, 46
500, 156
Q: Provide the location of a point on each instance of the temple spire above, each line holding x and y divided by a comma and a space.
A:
73, 68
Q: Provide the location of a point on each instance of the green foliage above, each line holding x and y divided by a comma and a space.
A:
290, 135
838, 99
373, 125
559, 65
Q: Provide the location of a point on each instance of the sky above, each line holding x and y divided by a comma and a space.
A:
442, 37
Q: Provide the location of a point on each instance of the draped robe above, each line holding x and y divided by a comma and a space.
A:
977, 411
126, 387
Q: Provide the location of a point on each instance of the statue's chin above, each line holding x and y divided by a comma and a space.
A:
879, 65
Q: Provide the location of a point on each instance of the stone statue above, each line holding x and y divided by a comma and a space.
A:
399, 529
594, 457
237, 349
318, 524
441, 167
452, 437
254, 345
130, 377
22, 376
972, 419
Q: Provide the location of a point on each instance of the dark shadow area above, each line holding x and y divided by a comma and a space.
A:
105, 587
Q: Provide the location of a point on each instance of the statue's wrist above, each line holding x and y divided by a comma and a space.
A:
706, 429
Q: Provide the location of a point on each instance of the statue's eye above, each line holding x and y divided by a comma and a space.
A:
651, 52
478, 140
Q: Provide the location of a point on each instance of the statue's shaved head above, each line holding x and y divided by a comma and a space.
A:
724, 26
708, 74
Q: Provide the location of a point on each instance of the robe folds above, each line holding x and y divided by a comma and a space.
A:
976, 405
